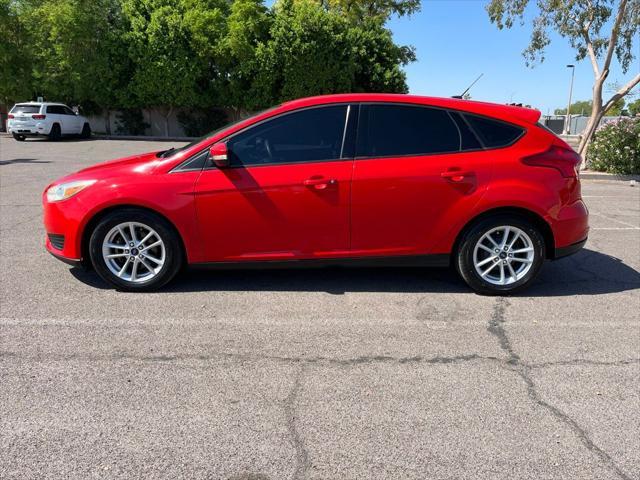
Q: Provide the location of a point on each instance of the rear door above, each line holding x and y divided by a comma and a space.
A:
55, 114
285, 195
417, 168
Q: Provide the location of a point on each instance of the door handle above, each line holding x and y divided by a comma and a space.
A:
457, 175
319, 183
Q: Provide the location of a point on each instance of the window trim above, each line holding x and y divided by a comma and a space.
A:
345, 137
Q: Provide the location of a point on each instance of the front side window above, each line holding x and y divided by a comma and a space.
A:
68, 111
310, 135
397, 130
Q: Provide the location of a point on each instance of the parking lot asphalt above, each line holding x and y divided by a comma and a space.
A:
317, 374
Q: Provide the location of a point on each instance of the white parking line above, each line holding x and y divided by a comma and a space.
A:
612, 219
614, 228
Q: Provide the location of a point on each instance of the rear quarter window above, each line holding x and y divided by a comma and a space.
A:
25, 109
494, 133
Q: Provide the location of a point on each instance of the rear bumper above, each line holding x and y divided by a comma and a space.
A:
569, 249
570, 227
29, 130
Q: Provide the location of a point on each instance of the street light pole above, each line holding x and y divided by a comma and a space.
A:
567, 123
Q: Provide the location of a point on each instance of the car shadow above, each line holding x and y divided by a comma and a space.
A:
22, 160
586, 273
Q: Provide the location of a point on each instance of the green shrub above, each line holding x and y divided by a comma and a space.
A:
616, 147
197, 122
131, 122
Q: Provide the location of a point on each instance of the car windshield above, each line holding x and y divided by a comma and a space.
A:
172, 151
26, 109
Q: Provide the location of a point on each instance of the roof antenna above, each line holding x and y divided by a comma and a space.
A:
468, 88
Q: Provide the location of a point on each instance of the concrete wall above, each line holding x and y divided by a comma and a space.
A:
154, 118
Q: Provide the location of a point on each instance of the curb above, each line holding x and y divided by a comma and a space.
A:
591, 175
143, 138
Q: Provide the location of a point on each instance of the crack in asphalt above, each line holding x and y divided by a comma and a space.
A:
585, 361
302, 455
496, 328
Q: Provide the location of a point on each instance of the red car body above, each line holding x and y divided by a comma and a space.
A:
392, 206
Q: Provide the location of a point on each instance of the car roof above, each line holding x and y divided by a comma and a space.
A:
508, 112
40, 103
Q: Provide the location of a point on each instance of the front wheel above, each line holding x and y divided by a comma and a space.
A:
501, 255
135, 250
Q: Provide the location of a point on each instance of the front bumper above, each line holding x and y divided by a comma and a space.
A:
64, 219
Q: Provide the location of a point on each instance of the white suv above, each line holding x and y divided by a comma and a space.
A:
54, 120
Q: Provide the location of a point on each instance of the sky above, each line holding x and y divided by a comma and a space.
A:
455, 42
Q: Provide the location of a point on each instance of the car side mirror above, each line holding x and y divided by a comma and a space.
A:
219, 155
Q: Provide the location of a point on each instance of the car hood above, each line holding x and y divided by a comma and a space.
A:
142, 163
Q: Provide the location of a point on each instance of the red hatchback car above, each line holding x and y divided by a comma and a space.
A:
340, 179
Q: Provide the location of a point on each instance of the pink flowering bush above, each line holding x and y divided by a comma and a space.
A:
616, 147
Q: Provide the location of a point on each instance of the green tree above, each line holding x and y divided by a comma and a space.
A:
577, 108
15, 54
634, 107
596, 29
78, 52
313, 50
169, 44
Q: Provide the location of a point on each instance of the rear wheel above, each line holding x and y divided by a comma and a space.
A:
20, 138
55, 133
86, 131
135, 250
501, 255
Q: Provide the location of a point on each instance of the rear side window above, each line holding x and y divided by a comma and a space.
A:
310, 135
56, 109
396, 130
494, 133
26, 109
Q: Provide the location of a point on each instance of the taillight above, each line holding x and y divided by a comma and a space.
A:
565, 160
38, 117
11, 117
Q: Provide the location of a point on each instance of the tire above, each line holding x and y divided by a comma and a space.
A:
478, 266
86, 131
55, 133
19, 138
119, 270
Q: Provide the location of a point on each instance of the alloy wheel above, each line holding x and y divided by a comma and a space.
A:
134, 252
503, 255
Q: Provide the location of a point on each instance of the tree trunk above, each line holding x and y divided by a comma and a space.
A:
594, 119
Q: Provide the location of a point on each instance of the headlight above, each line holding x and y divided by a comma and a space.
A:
63, 191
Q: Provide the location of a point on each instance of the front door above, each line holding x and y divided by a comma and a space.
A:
286, 193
